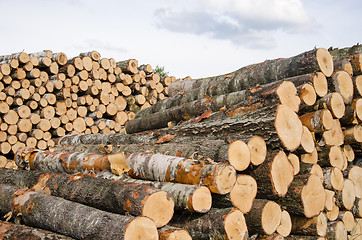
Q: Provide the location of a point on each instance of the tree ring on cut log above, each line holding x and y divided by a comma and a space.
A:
288, 127
344, 85
201, 200
282, 173
320, 84
239, 155
337, 105
313, 197
308, 94
235, 225
224, 180
243, 193
307, 141
325, 61
287, 94
258, 150
141, 228
159, 207
271, 216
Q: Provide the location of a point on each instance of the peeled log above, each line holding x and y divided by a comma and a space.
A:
14, 231
305, 197
112, 196
218, 224
82, 222
264, 217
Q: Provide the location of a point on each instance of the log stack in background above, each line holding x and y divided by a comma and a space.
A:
271, 151
45, 95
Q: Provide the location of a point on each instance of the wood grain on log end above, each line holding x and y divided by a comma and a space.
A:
308, 94
294, 160
343, 84
335, 136
160, 215
287, 94
282, 173
332, 215
141, 228
325, 61
313, 196
285, 226
224, 179
235, 225
307, 141
320, 84
201, 200
355, 175
239, 155
258, 150
288, 127
171, 233
243, 193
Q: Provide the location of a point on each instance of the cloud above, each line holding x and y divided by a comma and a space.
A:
249, 23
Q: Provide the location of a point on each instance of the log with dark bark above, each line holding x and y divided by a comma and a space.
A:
218, 224
112, 196
15, 231
336, 230
316, 226
70, 218
173, 233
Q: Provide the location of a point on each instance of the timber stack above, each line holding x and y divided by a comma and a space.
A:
270, 151
45, 95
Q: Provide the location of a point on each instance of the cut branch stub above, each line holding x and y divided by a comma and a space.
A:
288, 127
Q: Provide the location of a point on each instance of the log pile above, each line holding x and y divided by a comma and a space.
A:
45, 95
270, 151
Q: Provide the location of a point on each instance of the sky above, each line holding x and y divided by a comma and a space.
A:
197, 38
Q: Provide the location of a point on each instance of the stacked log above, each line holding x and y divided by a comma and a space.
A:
306, 111
272, 150
45, 95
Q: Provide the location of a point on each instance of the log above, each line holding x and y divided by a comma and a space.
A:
264, 217
336, 230
318, 121
170, 233
348, 219
305, 197
343, 84
193, 198
16, 231
285, 227
261, 73
333, 179
316, 226
128, 66
345, 198
44, 211
112, 196
216, 224
355, 174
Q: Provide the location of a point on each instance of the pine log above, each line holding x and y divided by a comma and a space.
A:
48, 212
218, 224
112, 196
16, 231
305, 197
261, 73
316, 226
193, 198
264, 217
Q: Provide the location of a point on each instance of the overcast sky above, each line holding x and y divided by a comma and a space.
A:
196, 38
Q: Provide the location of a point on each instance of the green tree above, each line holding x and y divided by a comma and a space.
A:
161, 71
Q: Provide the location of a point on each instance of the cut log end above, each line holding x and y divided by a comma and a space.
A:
308, 94
307, 141
271, 217
294, 160
285, 226
239, 155
159, 207
313, 197
325, 61
282, 173
177, 234
348, 194
258, 150
288, 127
287, 94
201, 200
355, 175
320, 84
337, 105
141, 228
243, 193
235, 225
225, 179
344, 85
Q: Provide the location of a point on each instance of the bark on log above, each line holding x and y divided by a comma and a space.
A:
218, 224
83, 222
193, 198
336, 230
264, 217
15, 231
173, 233
112, 196
305, 197
316, 226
